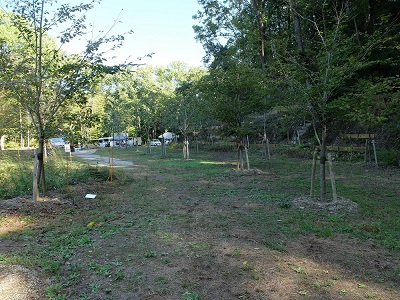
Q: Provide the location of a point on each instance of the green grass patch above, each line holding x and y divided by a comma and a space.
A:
16, 172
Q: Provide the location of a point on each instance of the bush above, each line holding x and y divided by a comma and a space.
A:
221, 147
388, 157
295, 151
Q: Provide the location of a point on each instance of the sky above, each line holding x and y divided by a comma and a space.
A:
163, 27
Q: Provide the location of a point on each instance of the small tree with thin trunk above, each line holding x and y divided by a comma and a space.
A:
45, 78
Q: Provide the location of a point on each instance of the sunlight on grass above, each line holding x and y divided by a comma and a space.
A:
9, 224
298, 275
217, 162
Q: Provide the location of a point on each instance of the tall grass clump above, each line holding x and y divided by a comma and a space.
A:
16, 172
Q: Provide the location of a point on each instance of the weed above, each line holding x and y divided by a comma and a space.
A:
198, 246
161, 279
120, 275
94, 288
167, 261
255, 275
105, 270
286, 204
328, 232
189, 296
237, 252
327, 284
150, 254
117, 262
51, 266
54, 292
16, 173
246, 266
316, 284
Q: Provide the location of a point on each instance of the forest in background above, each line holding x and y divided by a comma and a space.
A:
272, 69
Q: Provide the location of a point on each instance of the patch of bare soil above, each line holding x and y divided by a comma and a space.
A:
20, 283
341, 205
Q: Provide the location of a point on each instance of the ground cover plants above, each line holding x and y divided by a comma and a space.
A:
200, 229
62, 170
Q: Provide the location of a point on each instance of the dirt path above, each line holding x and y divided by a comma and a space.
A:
101, 161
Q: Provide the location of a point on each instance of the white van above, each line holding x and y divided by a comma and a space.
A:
106, 141
57, 142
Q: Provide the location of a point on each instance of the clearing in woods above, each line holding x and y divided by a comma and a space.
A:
199, 229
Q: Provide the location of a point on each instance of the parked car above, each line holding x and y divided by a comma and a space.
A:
57, 143
155, 142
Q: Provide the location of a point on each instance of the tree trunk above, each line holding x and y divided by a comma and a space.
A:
296, 24
259, 8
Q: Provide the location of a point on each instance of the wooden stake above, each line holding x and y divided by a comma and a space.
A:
332, 176
35, 176
67, 175
314, 166
247, 158
375, 156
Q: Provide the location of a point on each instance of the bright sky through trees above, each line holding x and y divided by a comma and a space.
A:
160, 26
163, 27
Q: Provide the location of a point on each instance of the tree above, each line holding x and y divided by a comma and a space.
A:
44, 79
185, 109
333, 57
234, 43
14, 119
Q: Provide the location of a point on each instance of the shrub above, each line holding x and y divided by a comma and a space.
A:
388, 157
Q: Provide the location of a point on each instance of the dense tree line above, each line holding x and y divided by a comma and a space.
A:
333, 62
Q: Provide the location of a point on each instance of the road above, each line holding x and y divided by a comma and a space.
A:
102, 161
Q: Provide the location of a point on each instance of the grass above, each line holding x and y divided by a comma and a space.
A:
173, 211
16, 170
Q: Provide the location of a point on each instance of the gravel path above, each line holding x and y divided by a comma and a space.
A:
102, 161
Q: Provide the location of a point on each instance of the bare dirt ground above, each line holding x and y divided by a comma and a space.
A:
178, 255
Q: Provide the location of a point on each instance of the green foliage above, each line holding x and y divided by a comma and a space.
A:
388, 157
